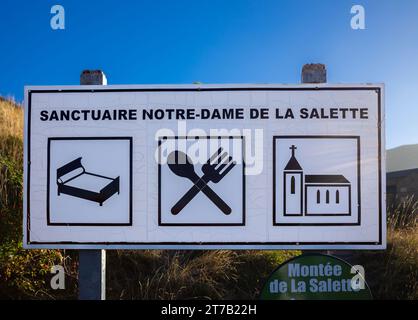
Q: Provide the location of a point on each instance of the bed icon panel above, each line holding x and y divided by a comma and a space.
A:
89, 181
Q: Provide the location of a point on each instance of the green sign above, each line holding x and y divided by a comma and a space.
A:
315, 277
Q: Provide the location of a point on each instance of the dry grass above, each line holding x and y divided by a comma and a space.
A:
11, 153
403, 213
393, 273
11, 118
402, 267
11, 129
163, 274
170, 275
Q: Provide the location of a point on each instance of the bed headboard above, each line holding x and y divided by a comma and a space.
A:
70, 166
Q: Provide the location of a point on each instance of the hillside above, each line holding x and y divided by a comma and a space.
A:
402, 158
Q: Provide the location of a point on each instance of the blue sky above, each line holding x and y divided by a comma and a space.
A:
213, 41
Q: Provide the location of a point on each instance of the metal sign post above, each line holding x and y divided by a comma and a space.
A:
92, 263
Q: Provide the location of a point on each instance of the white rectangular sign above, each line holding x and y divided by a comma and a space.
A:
205, 166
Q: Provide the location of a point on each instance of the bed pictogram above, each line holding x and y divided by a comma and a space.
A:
74, 180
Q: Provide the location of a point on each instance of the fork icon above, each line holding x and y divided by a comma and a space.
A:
215, 169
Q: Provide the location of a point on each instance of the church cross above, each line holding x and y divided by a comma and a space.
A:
293, 148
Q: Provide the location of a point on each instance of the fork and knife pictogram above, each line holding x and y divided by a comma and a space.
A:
214, 170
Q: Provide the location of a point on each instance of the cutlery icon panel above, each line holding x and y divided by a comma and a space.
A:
214, 170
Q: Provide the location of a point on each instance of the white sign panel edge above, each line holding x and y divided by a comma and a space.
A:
314, 246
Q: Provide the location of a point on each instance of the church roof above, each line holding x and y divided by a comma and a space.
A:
325, 178
293, 164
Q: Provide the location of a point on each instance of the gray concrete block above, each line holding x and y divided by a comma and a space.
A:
93, 77
314, 73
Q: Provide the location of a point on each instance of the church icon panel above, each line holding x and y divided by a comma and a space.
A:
314, 180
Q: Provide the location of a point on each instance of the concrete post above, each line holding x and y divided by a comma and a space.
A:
93, 77
314, 73
92, 263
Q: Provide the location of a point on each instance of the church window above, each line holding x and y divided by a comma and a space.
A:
292, 185
327, 196
337, 196
318, 196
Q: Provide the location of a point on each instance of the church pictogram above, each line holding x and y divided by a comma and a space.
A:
314, 194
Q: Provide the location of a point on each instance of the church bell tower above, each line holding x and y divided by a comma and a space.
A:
293, 186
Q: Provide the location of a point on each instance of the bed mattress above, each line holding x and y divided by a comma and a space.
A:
89, 182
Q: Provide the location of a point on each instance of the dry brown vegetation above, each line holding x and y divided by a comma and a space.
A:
163, 274
11, 129
393, 274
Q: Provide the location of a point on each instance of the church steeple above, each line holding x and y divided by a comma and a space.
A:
293, 186
293, 164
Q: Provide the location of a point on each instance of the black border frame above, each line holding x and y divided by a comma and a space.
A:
358, 223
207, 224
376, 89
80, 224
